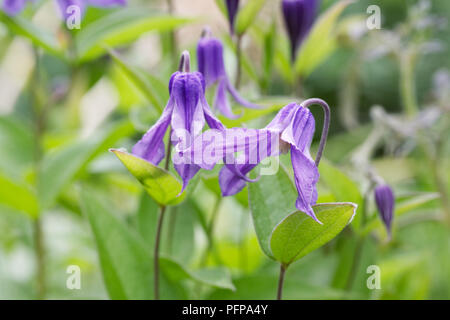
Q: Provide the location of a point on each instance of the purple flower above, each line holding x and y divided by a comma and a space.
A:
299, 16
232, 9
211, 65
384, 198
291, 129
186, 111
82, 4
13, 7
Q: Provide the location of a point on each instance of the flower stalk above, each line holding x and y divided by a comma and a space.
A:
281, 282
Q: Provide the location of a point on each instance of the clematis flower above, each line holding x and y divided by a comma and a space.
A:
186, 112
211, 65
384, 198
232, 9
14, 7
292, 130
299, 16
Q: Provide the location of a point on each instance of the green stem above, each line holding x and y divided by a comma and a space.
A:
173, 35
40, 258
156, 252
281, 281
210, 233
407, 83
159, 230
40, 119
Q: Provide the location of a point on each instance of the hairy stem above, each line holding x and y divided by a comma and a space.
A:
281, 281
159, 230
156, 252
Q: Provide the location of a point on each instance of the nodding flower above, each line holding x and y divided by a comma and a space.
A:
232, 9
14, 7
186, 112
299, 16
292, 130
211, 65
385, 200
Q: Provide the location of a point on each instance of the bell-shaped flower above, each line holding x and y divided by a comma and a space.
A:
186, 112
211, 65
385, 201
232, 9
292, 130
299, 16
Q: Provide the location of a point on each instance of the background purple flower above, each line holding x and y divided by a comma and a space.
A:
82, 4
211, 65
385, 200
13, 7
232, 9
299, 16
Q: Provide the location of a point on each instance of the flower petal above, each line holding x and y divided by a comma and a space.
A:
236, 96
306, 177
13, 7
300, 130
186, 172
151, 146
221, 101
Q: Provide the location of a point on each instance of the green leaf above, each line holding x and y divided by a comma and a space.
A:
17, 145
271, 200
142, 82
18, 196
119, 28
160, 184
299, 234
341, 186
247, 15
214, 277
127, 264
39, 37
321, 41
62, 165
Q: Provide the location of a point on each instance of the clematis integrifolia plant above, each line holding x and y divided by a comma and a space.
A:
385, 201
232, 9
186, 112
292, 130
14, 7
211, 65
299, 16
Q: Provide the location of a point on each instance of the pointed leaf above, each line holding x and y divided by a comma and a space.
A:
247, 15
160, 184
119, 28
321, 41
271, 200
299, 234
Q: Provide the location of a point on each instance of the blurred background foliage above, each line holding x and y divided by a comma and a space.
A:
67, 96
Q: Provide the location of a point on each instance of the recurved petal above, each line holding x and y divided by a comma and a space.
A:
300, 130
306, 176
151, 146
186, 172
231, 181
236, 96
221, 101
